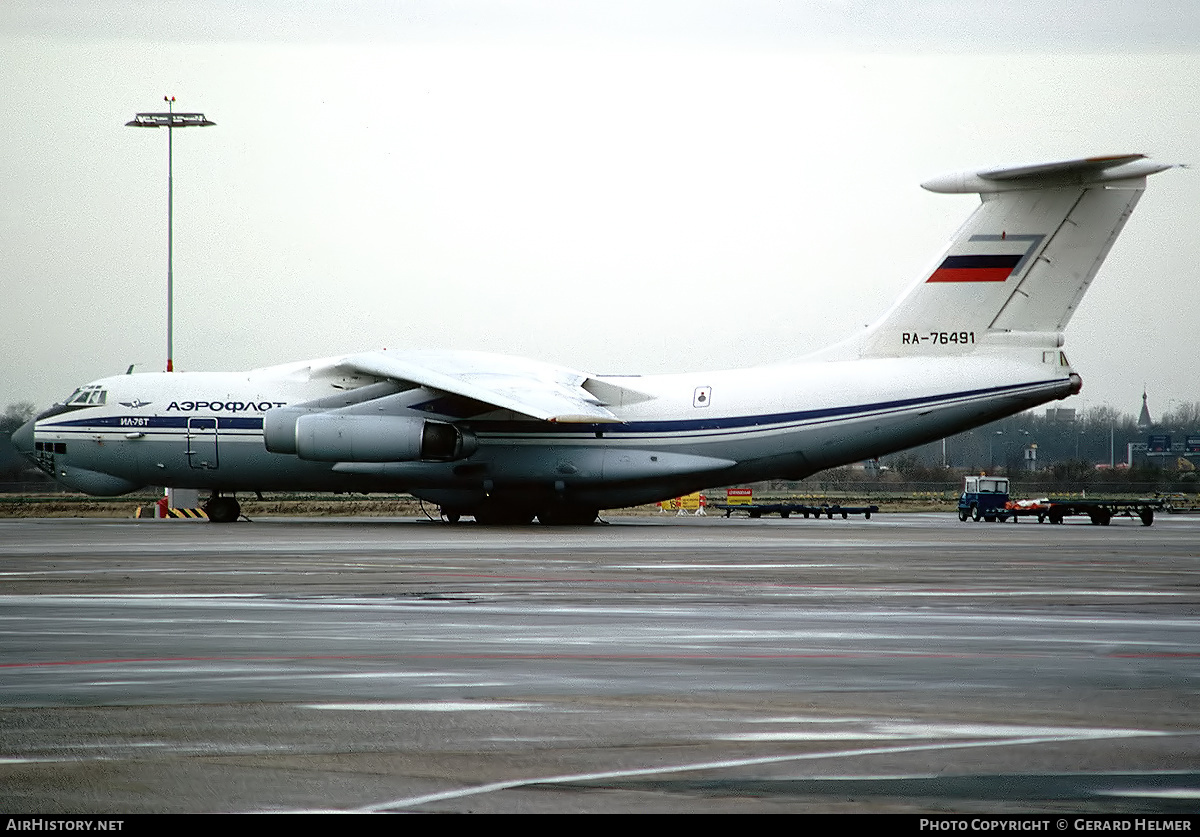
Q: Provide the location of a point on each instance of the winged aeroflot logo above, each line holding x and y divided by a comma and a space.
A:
135, 403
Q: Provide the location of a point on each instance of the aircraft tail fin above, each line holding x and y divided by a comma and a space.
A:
1017, 269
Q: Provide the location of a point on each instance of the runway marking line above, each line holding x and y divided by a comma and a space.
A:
493, 787
848, 655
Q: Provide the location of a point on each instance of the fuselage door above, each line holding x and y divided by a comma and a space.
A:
202, 443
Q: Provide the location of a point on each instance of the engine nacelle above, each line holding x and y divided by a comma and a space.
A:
339, 437
279, 428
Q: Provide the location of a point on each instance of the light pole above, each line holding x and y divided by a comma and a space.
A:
170, 120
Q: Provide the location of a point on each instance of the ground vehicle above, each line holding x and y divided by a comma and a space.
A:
986, 498
983, 497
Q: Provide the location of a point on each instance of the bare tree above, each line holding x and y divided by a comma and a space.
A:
1185, 416
15, 415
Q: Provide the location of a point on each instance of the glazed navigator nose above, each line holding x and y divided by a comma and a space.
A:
22, 438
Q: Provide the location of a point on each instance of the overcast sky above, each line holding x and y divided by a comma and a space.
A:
617, 186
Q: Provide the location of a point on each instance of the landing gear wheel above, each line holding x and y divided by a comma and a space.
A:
223, 509
503, 516
567, 516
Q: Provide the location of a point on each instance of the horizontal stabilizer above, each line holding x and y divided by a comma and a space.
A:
1065, 173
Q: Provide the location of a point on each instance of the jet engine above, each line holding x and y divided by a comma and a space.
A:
334, 437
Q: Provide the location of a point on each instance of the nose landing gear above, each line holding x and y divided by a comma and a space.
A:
222, 509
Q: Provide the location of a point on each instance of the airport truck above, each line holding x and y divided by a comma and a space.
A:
983, 498
987, 498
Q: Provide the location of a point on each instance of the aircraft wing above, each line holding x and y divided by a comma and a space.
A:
543, 391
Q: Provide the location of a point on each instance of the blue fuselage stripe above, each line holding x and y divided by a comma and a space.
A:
758, 421
542, 428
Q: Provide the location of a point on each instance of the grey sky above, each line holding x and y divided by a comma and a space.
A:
944, 25
622, 187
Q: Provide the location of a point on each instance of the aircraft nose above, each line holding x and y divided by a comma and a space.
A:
22, 438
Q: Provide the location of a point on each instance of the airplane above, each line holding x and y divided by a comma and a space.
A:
976, 337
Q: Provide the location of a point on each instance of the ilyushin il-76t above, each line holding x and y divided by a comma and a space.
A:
976, 337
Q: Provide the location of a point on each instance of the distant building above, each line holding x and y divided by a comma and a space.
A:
1061, 414
1144, 422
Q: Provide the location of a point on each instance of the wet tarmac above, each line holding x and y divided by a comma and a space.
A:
909, 663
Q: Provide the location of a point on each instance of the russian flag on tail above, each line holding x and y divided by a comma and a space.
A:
976, 268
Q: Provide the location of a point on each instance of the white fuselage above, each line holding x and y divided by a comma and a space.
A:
686, 431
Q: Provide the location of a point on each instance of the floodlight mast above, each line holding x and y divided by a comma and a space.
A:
170, 120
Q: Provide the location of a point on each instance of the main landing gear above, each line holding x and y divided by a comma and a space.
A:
567, 515
222, 509
497, 514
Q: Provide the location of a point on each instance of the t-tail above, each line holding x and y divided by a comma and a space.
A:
1018, 268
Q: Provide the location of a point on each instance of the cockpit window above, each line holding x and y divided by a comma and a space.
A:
89, 396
